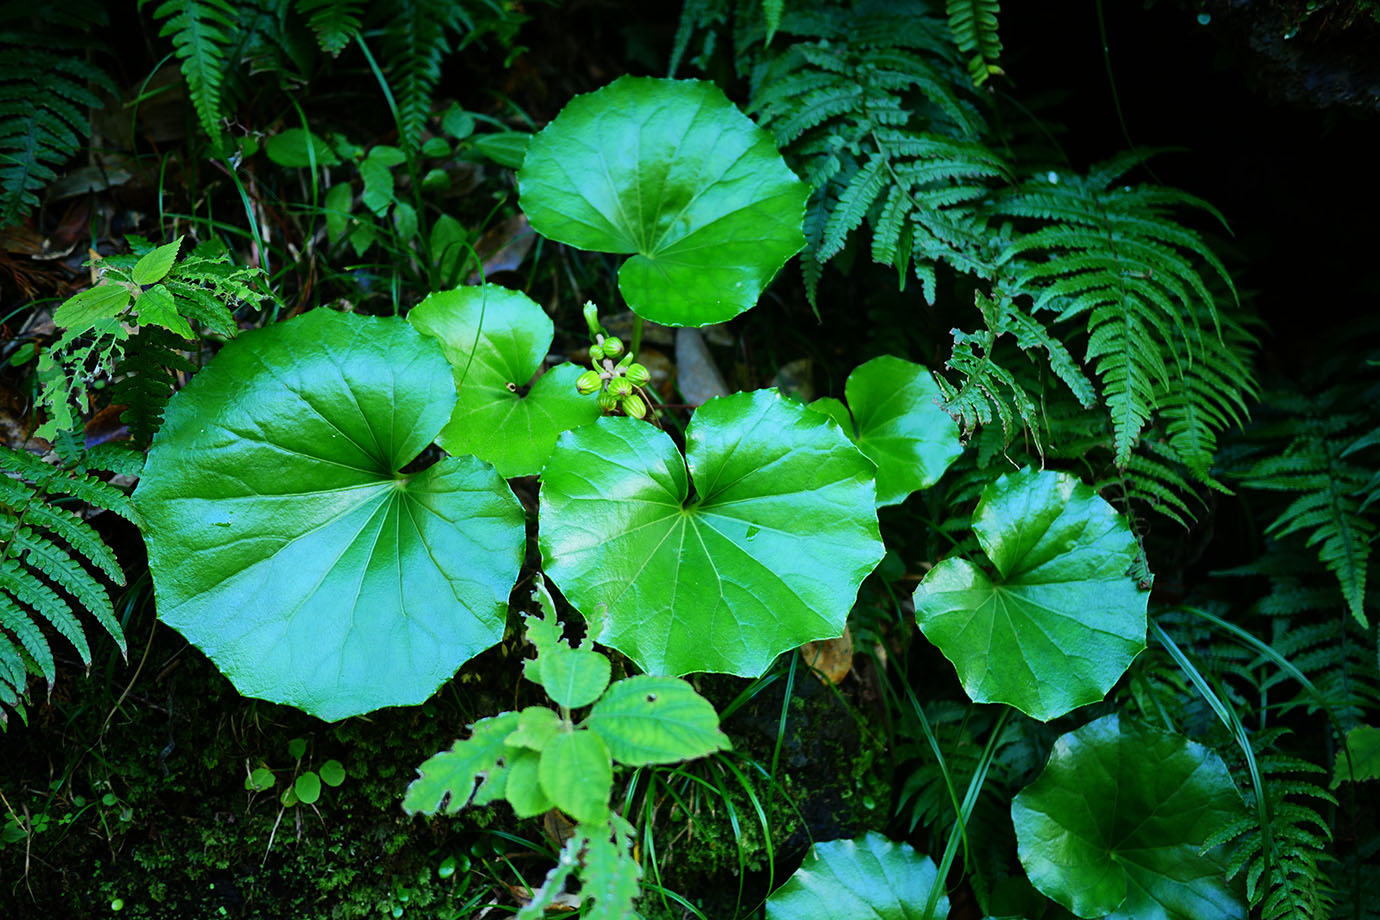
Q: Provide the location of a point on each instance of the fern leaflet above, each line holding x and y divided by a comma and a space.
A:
200, 31
335, 22
974, 27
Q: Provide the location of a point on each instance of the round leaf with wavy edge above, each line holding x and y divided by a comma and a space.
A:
1061, 621
768, 557
674, 173
893, 418
496, 339
1115, 823
285, 543
870, 878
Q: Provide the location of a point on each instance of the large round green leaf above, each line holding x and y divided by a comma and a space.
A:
871, 878
1061, 620
1115, 825
285, 543
767, 557
893, 417
496, 339
671, 171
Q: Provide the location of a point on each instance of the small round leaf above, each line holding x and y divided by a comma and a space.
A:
496, 340
286, 543
1115, 823
332, 773
1061, 620
259, 779
308, 788
672, 172
870, 878
893, 418
769, 556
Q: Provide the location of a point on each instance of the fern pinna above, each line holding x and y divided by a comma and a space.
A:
47, 88
873, 117
47, 554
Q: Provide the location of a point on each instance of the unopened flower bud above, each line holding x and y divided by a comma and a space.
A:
635, 406
613, 346
638, 375
607, 401
596, 353
620, 386
588, 382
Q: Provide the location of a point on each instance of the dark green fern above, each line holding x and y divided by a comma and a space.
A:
416, 38
47, 89
974, 27
335, 22
1326, 463
1114, 256
871, 114
47, 554
146, 379
201, 30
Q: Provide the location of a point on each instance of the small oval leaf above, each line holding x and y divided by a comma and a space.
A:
332, 773
577, 775
308, 788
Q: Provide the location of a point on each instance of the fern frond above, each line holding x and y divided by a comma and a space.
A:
200, 30
988, 391
146, 379
45, 94
415, 41
974, 27
335, 22
41, 578
1117, 258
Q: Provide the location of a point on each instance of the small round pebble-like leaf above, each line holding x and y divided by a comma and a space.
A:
673, 173
1115, 824
896, 422
260, 779
285, 542
1061, 620
332, 773
769, 555
870, 878
496, 339
645, 720
576, 774
308, 788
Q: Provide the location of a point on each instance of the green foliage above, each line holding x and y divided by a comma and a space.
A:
335, 22
707, 208
767, 555
202, 31
276, 489
973, 24
48, 84
146, 289
542, 758
416, 38
1145, 855
45, 551
872, 877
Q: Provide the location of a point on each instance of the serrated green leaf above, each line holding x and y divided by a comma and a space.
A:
1114, 825
576, 774
767, 557
447, 780
645, 720
523, 789
896, 421
574, 677
536, 726
295, 147
83, 310
274, 490
871, 878
1061, 619
154, 266
496, 340
376, 171
156, 307
611, 877
672, 173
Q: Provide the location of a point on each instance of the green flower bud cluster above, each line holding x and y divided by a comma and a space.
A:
616, 378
